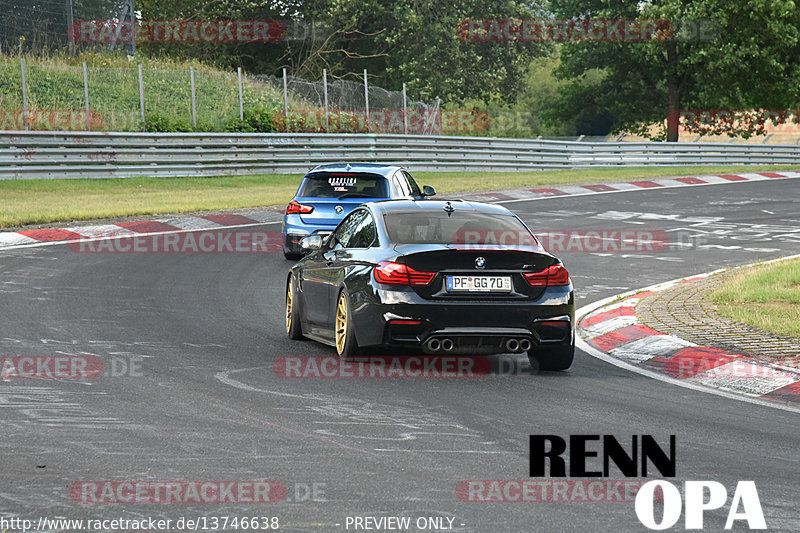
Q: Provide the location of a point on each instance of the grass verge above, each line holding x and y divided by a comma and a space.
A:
27, 202
56, 84
766, 297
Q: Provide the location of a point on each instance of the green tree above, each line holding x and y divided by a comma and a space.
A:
413, 42
750, 60
418, 43
253, 57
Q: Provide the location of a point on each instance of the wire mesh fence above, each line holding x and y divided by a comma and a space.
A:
349, 107
57, 97
114, 99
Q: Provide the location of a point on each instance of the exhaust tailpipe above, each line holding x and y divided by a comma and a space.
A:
512, 345
447, 345
524, 345
434, 345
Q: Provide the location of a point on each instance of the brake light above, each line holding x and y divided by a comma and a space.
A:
400, 274
554, 323
295, 208
552, 276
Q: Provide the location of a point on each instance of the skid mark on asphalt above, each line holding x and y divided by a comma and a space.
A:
49, 407
354, 419
225, 377
376, 422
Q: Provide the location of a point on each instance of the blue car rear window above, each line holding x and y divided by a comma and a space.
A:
466, 227
344, 184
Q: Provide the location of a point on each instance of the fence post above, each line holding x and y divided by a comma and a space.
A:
194, 110
285, 97
325, 91
437, 116
141, 94
24, 93
86, 96
241, 101
71, 33
366, 99
405, 111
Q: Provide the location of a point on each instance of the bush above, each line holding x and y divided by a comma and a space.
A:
157, 123
256, 120
205, 126
313, 121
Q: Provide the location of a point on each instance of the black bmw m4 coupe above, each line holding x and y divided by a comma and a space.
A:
446, 277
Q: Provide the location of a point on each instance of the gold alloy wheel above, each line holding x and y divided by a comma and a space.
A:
289, 303
341, 323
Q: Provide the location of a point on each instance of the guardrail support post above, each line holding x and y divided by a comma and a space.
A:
241, 100
86, 96
194, 110
366, 99
405, 111
141, 95
285, 97
325, 92
24, 93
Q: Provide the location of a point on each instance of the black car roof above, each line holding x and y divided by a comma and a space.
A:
388, 206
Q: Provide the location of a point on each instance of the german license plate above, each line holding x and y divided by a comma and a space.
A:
478, 283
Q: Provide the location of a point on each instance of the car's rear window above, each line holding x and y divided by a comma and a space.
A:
339, 184
464, 227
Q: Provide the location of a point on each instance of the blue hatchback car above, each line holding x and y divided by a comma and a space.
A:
329, 192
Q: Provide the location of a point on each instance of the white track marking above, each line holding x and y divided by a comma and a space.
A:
610, 325
147, 234
192, 223
105, 230
747, 377
637, 188
648, 347
12, 238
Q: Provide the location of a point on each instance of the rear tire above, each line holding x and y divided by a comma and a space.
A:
292, 312
344, 329
292, 256
552, 359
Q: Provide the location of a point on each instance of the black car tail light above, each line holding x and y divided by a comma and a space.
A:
552, 276
555, 323
296, 208
399, 274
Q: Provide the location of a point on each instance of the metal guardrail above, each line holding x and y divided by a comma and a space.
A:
39, 155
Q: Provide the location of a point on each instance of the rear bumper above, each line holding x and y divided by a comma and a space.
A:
402, 318
477, 341
293, 229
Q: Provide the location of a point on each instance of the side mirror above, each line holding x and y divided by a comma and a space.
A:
427, 190
310, 243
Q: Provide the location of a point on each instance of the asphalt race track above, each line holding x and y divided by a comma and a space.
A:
203, 402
